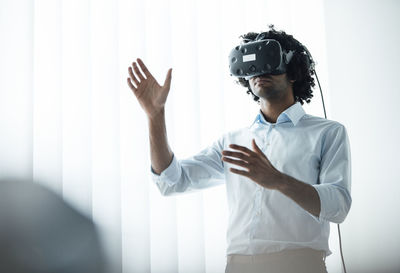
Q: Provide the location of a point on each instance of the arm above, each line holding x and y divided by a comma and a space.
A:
170, 175
329, 200
160, 152
335, 176
302, 193
152, 98
200, 171
261, 171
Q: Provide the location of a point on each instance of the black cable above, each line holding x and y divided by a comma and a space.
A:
340, 237
322, 96
340, 245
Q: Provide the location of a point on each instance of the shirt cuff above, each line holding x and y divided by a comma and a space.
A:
320, 195
170, 175
331, 203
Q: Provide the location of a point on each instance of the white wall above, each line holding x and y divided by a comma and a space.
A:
363, 40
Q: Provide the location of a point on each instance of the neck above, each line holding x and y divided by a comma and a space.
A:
272, 109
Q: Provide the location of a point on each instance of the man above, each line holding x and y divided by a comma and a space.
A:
287, 175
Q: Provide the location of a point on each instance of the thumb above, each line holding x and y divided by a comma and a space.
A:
255, 147
167, 82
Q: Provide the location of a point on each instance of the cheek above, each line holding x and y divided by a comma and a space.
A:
255, 90
253, 84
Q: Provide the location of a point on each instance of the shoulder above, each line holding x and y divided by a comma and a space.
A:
332, 134
322, 124
327, 131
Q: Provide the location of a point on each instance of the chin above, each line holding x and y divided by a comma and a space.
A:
267, 94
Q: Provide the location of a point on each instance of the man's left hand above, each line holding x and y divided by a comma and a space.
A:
259, 168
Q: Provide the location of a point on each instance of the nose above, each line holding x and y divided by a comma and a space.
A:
264, 76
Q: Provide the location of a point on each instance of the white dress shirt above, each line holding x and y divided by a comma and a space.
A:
311, 149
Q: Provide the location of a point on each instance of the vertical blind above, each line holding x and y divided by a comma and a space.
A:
69, 121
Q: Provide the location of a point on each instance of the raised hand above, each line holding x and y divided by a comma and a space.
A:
257, 165
149, 93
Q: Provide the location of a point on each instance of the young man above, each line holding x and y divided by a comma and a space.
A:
287, 175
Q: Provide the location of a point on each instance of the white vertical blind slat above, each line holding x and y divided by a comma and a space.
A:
134, 152
163, 214
47, 103
76, 104
105, 138
16, 81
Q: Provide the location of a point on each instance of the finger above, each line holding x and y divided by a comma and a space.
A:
242, 148
240, 172
131, 86
167, 82
236, 154
236, 162
137, 72
133, 76
144, 68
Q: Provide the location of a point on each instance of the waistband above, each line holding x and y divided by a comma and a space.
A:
300, 252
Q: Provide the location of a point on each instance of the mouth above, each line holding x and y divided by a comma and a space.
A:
263, 84
262, 80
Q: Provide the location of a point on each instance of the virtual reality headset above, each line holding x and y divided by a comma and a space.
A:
259, 57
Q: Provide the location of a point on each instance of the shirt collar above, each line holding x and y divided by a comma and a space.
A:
293, 114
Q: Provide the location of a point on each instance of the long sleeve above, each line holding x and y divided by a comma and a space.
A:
335, 176
203, 170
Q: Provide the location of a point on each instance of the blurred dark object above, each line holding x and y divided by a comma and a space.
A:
39, 232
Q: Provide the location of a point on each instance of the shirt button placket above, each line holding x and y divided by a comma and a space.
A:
267, 137
258, 202
257, 212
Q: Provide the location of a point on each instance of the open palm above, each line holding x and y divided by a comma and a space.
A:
149, 93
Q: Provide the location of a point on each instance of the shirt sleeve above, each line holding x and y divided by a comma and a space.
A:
335, 176
200, 171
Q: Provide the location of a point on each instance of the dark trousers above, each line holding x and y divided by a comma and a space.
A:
303, 260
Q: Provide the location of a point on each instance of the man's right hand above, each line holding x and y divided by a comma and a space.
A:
149, 93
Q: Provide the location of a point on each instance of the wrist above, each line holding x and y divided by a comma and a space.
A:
156, 115
282, 182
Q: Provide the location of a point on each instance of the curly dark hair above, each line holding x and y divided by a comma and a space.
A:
300, 68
